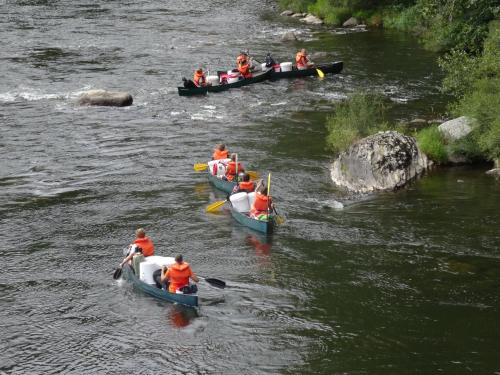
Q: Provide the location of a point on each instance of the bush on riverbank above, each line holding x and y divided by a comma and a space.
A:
431, 142
362, 115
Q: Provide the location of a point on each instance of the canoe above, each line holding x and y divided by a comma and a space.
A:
190, 300
258, 225
332, 68
257, 77
225, 186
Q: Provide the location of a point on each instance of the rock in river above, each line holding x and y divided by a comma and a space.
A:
312, 20
383, 161
289, 36
351, 22
456, 129
105, 98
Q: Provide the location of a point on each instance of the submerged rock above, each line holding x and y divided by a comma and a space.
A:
105, 98
289, 36
383, 161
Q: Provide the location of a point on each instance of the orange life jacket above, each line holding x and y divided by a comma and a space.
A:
146, 245
244, 70
178, 275
301, 60
261, 203
199, 79
231, 170
247, 186
218, 154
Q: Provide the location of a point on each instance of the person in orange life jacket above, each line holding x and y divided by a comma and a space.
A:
262, 204
245, 185
199, 78
143, 245
243, 64
178, 276
233, 168
242, 58
220, 152
302, 60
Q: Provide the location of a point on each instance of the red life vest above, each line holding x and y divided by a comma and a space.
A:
301, 60
241, 59
199, 79
231, 170
247, 186
178, 275
218, 154
244, 70
146, 245
260, 204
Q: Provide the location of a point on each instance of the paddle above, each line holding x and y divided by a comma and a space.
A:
214, 206
279, 219
214, 282
320, 73
117, 273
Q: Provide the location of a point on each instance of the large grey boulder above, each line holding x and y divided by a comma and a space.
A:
105, 98
312, 20
351, 22
456, 129
383, 161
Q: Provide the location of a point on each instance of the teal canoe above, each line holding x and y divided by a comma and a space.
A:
258, 225
190, 300
225, 186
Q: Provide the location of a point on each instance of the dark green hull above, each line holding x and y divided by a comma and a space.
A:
258, 225
258, 77
190, 300
226, 186
333, 68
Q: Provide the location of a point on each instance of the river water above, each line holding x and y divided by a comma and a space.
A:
393, 283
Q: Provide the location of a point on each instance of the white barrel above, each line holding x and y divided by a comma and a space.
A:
286, 66
211, 164
160, 261
263, 66
251, 198
233, 77
213, 80
146, 271
240, 202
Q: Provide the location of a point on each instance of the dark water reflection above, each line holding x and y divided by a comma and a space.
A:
402, 282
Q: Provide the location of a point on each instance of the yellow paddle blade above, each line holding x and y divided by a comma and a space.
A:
215, 206
198, 167
279, 219
253, 175
269, 184
320, 73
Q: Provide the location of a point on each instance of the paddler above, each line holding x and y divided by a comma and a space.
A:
143, 244
262, 205
220, 152
245, 185
178, 275
243, 63
199, 78
233, 168
302, 60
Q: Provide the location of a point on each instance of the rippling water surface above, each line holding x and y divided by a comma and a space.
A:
403, 282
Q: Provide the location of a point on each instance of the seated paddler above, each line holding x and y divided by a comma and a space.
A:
302, 60
199, 78
220, 152
243, 64
262, 205
178, 275
233, 168
244, 185
143, 244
